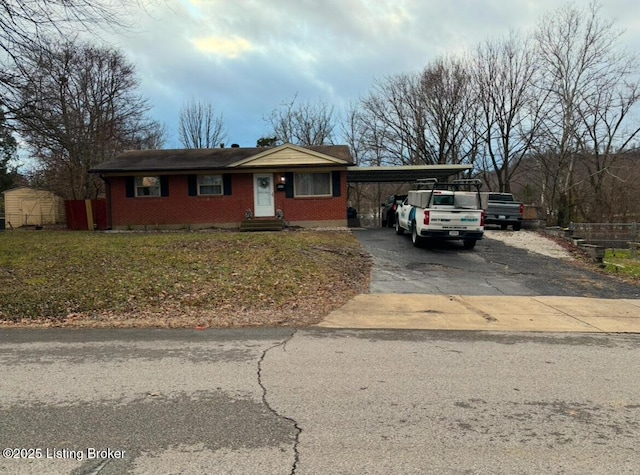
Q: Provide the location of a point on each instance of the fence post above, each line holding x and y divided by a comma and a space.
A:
634, 240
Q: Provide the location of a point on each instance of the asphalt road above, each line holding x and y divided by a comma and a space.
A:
315, 401
491, 268
321, 401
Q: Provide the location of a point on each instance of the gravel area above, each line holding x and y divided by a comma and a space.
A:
531, 241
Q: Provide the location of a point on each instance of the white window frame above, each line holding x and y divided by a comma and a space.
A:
296, 185
140, 185
202, 185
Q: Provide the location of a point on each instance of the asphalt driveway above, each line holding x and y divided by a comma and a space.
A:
494, 287
492, 268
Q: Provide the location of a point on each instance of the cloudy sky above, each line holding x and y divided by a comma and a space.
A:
248, 56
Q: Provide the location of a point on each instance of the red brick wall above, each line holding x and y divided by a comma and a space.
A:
314, 209
180, 209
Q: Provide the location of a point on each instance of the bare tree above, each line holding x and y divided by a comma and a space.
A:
590, 84
26, 24
393, 122
303, 123
450, 110
367, 149
77, 106
510, 108
199, 126
608, 129
149, 135
423, 118
8, 149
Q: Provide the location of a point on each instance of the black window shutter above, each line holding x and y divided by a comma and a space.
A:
130, 186
288, 185
226, 184
193, 184
335, 178
164, 185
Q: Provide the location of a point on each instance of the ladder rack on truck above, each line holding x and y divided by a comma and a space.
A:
456, 185
442, 211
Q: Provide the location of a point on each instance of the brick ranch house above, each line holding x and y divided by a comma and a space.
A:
199, 188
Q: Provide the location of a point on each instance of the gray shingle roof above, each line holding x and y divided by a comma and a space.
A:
184, 160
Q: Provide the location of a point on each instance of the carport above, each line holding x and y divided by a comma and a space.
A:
404, 174
369, 186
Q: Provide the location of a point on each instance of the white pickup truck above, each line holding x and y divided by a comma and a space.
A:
445, 211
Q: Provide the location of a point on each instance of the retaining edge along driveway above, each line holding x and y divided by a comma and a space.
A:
487, 313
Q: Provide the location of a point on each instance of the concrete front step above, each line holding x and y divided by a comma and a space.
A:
262, 225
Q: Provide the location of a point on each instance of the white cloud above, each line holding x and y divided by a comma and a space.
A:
232, 47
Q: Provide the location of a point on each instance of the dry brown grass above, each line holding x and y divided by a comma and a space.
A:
177, 279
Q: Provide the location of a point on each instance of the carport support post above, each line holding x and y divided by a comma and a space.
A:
379, 202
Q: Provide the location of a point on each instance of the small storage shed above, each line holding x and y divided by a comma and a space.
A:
26, 206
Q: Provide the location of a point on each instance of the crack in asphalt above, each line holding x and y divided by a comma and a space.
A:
297, 428
439, 290
494, 286
96, 470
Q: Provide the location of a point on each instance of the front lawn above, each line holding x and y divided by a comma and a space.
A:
177, 279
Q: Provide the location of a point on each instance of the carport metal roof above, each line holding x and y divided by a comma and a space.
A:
400, 174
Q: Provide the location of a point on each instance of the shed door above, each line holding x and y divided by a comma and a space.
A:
31, 213
263, 195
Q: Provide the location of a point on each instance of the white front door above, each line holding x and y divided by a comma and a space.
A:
263, 195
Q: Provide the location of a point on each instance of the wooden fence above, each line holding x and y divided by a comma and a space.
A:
87, 214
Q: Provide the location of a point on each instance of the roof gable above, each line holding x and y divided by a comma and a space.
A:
290, 155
